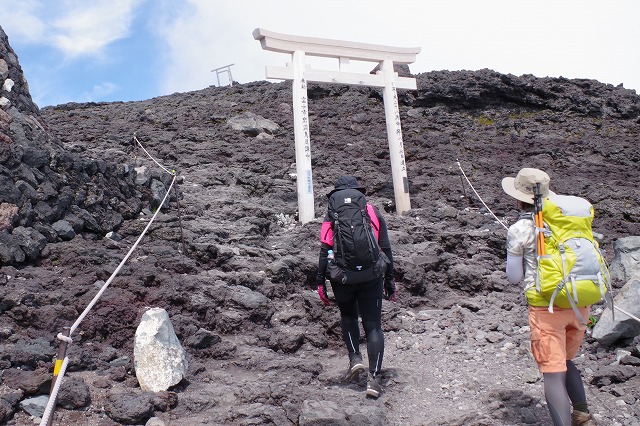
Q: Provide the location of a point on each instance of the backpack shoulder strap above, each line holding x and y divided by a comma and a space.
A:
375, 223
326, 233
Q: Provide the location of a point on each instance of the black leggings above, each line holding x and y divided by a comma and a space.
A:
366, 300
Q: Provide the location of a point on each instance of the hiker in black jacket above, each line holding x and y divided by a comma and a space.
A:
358, 292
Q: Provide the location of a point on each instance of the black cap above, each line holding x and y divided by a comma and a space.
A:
347, 182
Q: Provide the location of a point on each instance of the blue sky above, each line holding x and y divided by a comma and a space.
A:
124, 50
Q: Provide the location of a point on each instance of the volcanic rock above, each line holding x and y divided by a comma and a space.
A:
228, 260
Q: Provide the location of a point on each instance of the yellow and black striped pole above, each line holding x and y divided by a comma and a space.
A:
62, 353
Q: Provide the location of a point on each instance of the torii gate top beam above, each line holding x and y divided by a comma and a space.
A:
342, 50
284, 43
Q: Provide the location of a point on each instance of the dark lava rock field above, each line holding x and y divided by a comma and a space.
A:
234, 268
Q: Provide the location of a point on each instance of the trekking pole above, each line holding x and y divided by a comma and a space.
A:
175, 191
538, 219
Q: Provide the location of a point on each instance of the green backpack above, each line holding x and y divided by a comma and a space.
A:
573, 273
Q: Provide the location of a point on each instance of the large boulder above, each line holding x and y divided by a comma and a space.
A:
626, 262
609, 330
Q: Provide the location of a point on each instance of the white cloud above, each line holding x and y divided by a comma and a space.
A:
100, 91
20, 20
191, 36
574, 39
207, 35
86, 28
73, 26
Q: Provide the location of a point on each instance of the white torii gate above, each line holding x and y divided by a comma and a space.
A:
224, 69
385, 56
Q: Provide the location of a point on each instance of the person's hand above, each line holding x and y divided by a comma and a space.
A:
322, 292
390, 289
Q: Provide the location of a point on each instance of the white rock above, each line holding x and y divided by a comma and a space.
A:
143, 174
159, 359
8, 85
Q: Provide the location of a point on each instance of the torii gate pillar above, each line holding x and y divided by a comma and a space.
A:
394, 135
384, 56
304, 180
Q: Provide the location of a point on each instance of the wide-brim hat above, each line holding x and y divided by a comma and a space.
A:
522, 186
347, 182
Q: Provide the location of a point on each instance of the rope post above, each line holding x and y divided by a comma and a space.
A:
62, 353
175, 191
464, 191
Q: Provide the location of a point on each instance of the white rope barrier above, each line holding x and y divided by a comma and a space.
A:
46, 417
64, 338
627, 314
124, 260
478, 195
154, 160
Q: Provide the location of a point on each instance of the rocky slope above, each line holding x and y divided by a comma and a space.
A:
234, 269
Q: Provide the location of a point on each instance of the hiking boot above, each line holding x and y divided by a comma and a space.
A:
374, 389
580, 418
355, 366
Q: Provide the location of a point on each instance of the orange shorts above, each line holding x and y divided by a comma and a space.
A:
555, 337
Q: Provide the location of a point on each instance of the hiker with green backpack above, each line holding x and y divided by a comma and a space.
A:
551, 248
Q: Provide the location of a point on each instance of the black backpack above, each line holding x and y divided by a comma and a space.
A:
354, 243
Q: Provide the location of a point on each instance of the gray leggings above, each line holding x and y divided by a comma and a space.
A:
561, 390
